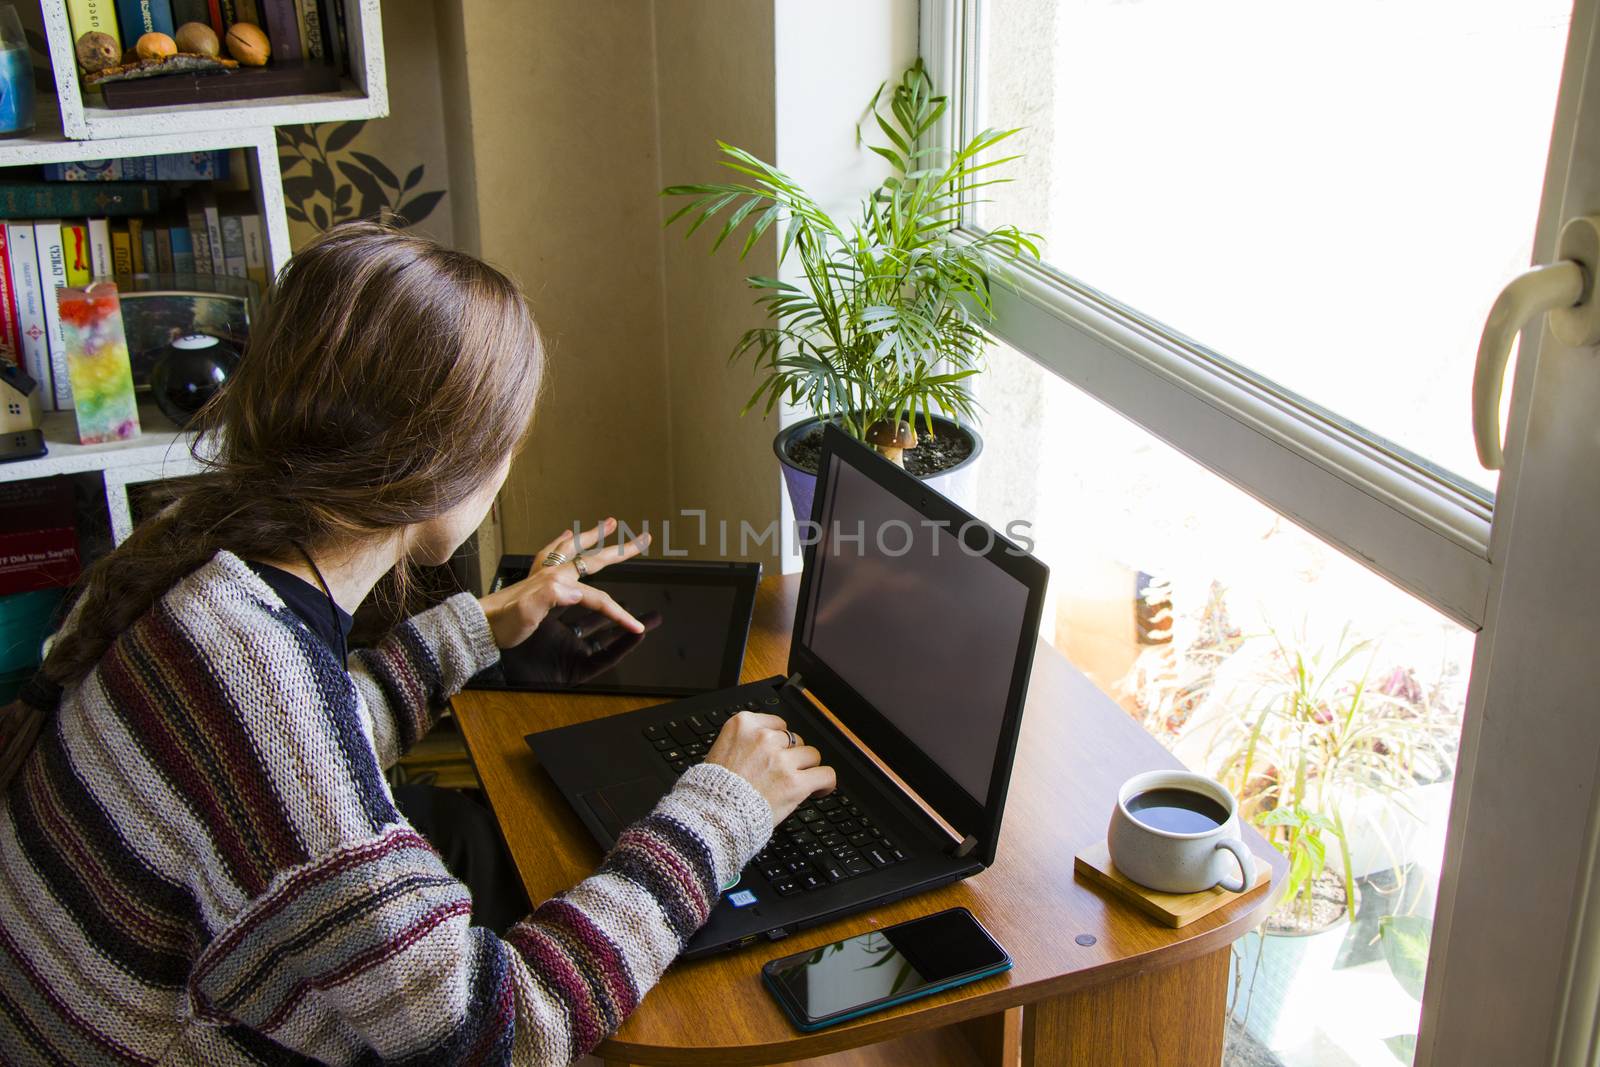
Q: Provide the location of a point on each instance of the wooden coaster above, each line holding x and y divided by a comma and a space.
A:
1093, 864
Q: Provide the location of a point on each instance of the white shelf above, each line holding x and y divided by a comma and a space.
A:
161, 445
363, 95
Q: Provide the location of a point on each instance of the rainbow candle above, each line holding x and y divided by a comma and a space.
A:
97, 362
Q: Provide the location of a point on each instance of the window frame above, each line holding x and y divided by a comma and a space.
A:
1416, 526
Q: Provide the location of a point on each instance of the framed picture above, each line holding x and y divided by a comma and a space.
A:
156, 308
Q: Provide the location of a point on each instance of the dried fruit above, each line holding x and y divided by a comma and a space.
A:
97, 51
156, 46
198, 38
248, 44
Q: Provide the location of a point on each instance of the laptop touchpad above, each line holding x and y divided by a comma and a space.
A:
619, 806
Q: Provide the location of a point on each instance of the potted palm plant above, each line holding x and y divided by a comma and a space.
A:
885, 331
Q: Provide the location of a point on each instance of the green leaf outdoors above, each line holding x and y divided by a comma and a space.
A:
1405, 941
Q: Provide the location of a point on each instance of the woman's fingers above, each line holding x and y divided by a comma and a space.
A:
818, 781
599, 600
594, 562
594, 535
806, 756
562, 544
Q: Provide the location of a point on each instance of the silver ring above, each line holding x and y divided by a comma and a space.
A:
793, 740
555, 559
583, 569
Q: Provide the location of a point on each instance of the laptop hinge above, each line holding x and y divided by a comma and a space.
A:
794, 681
966, 846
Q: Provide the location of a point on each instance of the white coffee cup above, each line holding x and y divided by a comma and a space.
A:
1172, 861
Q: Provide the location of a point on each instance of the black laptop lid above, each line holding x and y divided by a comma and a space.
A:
916, 626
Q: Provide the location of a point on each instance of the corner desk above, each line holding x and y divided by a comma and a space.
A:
1095, 982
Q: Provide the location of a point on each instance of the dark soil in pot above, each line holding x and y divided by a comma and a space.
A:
932, 454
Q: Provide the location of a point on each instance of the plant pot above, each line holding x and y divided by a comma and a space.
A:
957, 482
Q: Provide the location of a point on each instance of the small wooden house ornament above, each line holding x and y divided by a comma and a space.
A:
19, 399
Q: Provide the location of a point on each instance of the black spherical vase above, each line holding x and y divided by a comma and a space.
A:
188, 372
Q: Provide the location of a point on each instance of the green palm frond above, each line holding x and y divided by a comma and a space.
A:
887, 322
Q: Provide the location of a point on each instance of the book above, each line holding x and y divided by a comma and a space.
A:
283, 30
100, 264
136, 239
178, 167
214, 13
121, 252
39, 200
255, 251
248, 11
52, 276
191, 11
164, 249
147, 245
341, 37
229, 14
208, 201
94, 16
75, 249
10, 339
199, 236
233, 246
139, 17
22, 251
182, 250
311, 38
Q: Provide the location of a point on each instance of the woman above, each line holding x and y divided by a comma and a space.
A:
200, 861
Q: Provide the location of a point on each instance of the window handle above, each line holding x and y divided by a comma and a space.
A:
1565, 289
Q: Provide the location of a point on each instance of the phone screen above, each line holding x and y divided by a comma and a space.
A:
886, 965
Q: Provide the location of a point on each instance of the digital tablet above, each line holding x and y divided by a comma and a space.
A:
696, 617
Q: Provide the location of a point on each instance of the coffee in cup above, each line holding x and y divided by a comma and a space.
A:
1178, 832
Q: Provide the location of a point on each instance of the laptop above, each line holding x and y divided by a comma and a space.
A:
913, 641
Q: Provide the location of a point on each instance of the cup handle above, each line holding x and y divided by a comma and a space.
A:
1247, 865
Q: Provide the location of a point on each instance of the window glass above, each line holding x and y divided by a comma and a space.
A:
1330, 194
1213, 621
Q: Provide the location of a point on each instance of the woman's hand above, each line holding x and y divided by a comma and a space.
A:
517, 610
756, 747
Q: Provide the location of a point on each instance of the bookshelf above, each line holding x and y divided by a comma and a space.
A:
68, 129
363, 94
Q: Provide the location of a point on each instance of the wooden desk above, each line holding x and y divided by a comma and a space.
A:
1101, 983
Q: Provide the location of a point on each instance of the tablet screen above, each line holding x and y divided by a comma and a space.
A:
696, 616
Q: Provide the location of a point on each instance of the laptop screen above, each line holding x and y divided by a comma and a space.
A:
923, 627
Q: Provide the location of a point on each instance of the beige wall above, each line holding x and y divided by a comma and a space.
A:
561, 151
715, 80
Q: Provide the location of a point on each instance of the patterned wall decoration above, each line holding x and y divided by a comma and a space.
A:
326, 181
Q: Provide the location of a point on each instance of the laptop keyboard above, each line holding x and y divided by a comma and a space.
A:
826, 840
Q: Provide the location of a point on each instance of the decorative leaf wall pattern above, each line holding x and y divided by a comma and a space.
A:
326, 182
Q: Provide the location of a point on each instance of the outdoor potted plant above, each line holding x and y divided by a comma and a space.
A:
885, 331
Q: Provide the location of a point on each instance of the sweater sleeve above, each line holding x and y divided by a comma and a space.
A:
406, 680
368, 949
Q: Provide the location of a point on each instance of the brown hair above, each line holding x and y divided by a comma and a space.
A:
385, 382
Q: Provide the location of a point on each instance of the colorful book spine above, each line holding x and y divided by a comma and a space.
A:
139, 17
37, 200
182, 250
178, 167
233, 246
164, 249
121, 252
75, 246
10, 337
200, 238
52, 276
230, 14
23, 252
100, 264
255, 251
93, 16
283, 29
147, 244
214, 12
136, 238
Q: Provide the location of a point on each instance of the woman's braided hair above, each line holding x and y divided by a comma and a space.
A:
387, 379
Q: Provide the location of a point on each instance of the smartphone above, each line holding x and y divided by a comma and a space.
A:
833, 983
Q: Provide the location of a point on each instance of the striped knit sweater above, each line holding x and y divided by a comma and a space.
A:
201, 863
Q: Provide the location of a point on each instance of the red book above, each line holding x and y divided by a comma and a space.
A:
216, 18
10, 338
